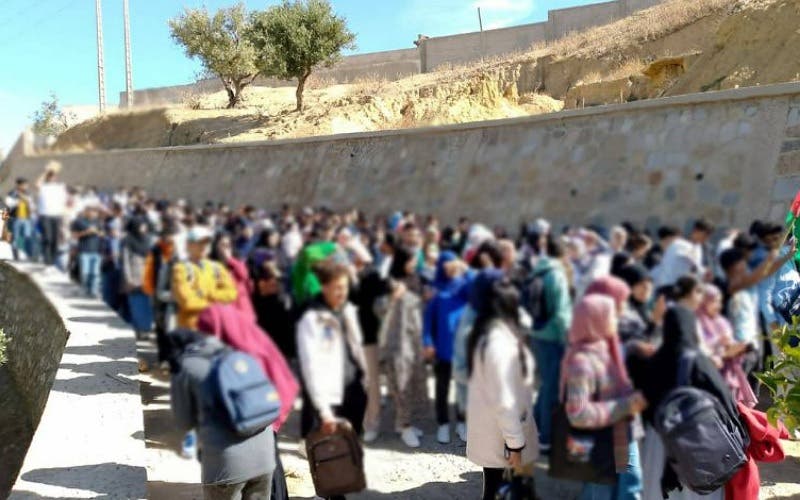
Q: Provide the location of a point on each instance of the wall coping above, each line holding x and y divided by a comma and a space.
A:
579, 7
764, 91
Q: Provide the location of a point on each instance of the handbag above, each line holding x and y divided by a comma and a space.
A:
516, 487
581, 454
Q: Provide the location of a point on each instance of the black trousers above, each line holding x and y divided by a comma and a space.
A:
492, 479
352, 409
51, 229
280, 490
443, 371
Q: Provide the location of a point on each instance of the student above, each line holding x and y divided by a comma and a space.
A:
400, 341
742, 307
599, 394
329, 347
440, 322
88, 231
222, 252
21, 206
156, 284
273, 309
549, 336
680, 336
232, 467
134, 250
198, 282
502, 432
52, 206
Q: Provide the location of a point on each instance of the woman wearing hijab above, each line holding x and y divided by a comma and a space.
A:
222, 252
502, 431
133, 254
641, 284
400, 339
440, 323
726, 354
680, 336
599, 393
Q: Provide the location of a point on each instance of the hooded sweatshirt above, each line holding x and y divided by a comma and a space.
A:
557, 300
443, 313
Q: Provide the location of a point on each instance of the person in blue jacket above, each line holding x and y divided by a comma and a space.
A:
440, 322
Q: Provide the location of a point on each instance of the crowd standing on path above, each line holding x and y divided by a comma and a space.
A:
573, 343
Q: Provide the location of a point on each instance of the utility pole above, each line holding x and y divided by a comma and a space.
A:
128, 68
101, 79
480, 23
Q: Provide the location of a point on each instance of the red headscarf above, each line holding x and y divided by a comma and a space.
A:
594, 330
610, 286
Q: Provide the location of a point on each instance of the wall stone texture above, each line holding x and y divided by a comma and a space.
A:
38, 337
730, 156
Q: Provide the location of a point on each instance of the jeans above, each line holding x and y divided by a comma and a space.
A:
51, 231
22, 231
548, 361
89, 265
258, 488
629, 483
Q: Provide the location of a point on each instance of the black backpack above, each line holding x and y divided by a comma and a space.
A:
704, 446
534, 299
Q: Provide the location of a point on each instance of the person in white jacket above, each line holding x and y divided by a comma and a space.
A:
329, 346
501, 431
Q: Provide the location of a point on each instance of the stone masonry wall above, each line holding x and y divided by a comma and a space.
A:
38, 337
730, 156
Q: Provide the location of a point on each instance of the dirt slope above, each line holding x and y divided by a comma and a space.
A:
677, 47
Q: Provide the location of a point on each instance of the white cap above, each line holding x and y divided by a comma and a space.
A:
199, 233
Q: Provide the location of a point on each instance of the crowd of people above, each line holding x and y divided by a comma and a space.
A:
590, 323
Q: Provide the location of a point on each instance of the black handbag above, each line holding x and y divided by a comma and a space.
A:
581, 454
516, 487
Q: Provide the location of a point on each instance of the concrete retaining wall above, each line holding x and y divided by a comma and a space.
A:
731, 156
433, 52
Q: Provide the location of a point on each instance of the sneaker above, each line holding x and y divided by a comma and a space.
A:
370, 436
409, 437
301, 449
189, 446
443, 434
461, 431
419, 432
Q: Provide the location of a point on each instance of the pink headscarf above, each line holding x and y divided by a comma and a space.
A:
717, 331
593, 330
610, 286
233, 328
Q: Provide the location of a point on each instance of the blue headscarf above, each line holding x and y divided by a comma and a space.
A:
442, 281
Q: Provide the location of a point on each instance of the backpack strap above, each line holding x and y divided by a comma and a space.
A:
685, 366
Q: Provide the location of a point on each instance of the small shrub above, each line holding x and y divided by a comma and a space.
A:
192, 100
782, 379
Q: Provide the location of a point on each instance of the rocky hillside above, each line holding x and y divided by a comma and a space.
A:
675, 48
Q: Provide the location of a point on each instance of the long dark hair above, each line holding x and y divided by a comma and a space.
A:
495, 299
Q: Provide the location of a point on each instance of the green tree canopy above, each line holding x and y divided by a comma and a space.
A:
221, 44
50, 119
295, 37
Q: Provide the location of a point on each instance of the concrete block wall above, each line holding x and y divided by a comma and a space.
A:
729, 156
434, 52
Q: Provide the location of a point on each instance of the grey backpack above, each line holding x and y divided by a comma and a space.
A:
704, 446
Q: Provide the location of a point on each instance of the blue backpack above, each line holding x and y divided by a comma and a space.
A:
244, 396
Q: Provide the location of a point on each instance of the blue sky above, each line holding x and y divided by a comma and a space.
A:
49, 45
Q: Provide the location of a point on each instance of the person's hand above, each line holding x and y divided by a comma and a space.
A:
644, 349
514, 459
399, 290
329, 427
429, 353
638, 402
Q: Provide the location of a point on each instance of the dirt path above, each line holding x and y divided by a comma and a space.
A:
433, 472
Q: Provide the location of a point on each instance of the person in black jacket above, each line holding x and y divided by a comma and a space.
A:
274, 309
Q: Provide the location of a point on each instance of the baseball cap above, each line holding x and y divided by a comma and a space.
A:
199, 233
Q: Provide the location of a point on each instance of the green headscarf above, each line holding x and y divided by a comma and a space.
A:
305, 284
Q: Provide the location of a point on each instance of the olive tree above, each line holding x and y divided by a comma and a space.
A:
295, 37
50, 118
221, 44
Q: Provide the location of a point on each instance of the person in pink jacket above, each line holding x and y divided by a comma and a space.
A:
222, 252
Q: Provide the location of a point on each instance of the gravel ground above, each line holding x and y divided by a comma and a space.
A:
432, 472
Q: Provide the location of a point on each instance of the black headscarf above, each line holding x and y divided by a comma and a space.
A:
137, 241
661, 373
398, 272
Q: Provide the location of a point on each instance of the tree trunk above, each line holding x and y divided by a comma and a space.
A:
301, 85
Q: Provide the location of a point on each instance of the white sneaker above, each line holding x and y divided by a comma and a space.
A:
409, 437
370, 436
461, 431
443, 434
419, 432
301, 449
